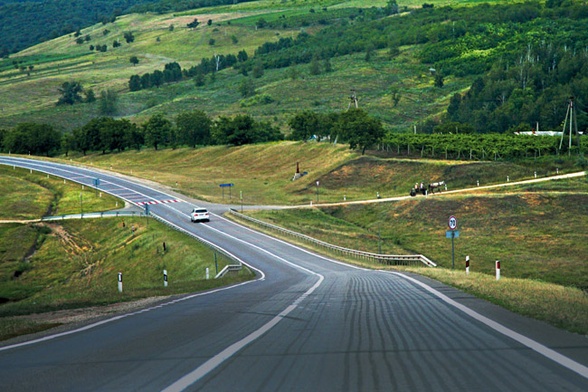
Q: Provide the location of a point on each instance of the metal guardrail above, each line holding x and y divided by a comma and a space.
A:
228, 268
358, 254
103, 214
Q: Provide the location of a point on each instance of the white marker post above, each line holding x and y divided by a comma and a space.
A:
164, 278
467, 265
120, 282
497, 269
207, 274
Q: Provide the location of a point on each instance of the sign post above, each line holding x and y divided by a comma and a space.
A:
228, 185
452, 233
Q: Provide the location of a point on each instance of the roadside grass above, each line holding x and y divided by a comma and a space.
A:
28, 196
549, 286
536, 236
75, 263
263, 173
561, 306
78, 264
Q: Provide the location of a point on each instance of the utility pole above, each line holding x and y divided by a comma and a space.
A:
353, 99
571, 115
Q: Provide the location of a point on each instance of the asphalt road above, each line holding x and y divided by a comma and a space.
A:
306, 323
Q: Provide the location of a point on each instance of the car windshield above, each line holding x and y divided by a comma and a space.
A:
200, 211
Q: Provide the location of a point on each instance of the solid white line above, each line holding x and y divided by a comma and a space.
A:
227, 353
533, 345
102, 322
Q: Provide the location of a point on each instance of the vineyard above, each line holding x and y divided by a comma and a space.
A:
481, 146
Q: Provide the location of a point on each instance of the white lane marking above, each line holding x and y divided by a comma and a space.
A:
93, 325
533, 345
227, 353
43, 168
297, 247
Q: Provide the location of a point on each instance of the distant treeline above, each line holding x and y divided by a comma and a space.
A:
354, 126
192, 128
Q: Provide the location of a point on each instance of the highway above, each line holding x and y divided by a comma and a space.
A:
306, 323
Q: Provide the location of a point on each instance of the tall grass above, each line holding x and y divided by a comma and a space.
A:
561, 306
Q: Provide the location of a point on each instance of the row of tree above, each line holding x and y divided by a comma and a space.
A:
192, 128
106, 134
196, 128
173, 72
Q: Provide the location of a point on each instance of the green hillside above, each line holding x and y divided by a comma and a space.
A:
329, 49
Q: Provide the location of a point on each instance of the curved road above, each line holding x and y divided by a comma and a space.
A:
307, 323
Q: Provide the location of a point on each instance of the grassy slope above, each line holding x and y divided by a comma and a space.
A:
71, 264
262, 172
32, 98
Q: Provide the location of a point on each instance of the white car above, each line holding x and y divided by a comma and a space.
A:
199, 214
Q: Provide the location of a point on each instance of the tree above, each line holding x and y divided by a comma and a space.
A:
90, 96
135, 83
157, 131
359, 130
134, 60
247, 88
128, 36
304, 125
36, 139
199, 79
194, 128
328, 66
315, 66
391, 7
242, 129
257, 71
108, 102
439, 79
157, 78
146, 80
70, 93
242, 56
261, 23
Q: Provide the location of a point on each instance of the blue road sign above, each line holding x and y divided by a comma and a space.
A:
452, 234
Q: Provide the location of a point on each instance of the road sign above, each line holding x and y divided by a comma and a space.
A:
226, 185
452, 234
452, 222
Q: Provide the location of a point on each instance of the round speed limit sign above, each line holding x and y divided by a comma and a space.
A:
452, 222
